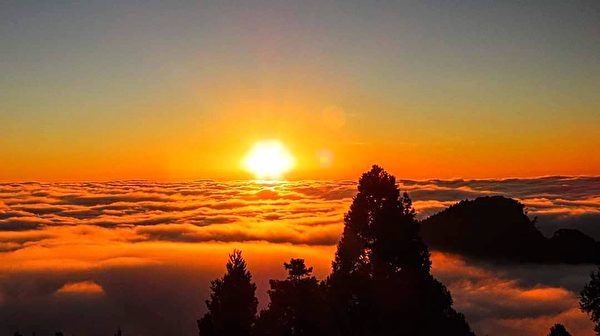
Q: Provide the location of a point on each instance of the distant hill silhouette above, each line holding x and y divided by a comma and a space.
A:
496, 227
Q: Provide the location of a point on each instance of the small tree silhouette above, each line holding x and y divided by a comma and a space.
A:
381, 282
232, 304
558, 330
589, 300
297, 270
297, 306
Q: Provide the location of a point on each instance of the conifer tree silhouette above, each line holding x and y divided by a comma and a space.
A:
558, 330
232, 304
297, 305
589, 299
381, 282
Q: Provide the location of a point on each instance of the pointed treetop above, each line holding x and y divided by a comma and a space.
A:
375, 179
558, 330
297, 269
236, 262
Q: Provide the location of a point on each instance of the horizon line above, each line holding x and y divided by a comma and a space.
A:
258, 181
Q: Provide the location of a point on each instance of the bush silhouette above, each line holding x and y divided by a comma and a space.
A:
381, 282
232, 304
558, 330
297, 305
589, 300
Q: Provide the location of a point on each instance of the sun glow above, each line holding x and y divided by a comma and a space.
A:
268, 160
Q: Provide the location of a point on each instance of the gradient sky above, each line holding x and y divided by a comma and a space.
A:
145, 89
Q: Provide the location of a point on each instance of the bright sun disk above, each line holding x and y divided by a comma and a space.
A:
268, 160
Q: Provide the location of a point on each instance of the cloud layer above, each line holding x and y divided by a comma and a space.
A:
133, 251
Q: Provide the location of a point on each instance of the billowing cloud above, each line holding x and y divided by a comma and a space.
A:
502, 300
146, 251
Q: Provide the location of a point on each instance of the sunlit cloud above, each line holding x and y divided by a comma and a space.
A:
77, 237
83, 287
497, 300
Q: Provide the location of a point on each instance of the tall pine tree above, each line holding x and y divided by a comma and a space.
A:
381, 282
232, 304
589, 299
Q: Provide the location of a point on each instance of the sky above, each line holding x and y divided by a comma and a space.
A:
107, 90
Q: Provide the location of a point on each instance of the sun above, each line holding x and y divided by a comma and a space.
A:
268, 160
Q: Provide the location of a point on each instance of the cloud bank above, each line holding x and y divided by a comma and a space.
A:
139, 254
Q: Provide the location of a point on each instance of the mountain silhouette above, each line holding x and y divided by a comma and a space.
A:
498, 228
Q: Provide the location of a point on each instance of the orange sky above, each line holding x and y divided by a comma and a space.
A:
181, 92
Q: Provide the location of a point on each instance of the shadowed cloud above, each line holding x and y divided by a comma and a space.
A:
179, 232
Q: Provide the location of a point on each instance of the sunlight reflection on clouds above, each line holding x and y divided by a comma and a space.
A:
114, 234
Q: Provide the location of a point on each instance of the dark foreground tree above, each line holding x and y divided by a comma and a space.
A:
558, 330
232, 303
589, 300
297, 306
381, 282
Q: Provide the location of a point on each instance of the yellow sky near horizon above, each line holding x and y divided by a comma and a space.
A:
182, 91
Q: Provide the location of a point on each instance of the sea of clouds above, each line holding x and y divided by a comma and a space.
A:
87, 258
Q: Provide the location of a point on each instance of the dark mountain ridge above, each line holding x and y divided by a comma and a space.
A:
496, 227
